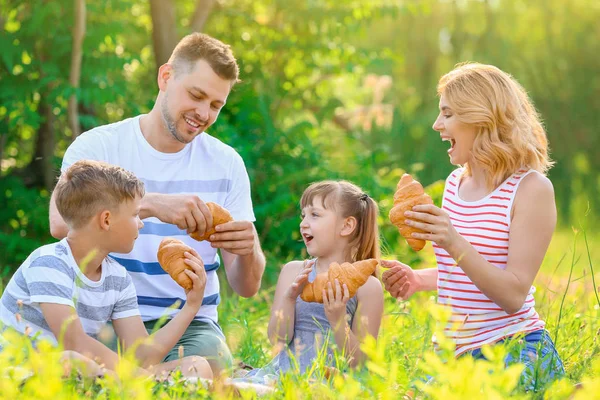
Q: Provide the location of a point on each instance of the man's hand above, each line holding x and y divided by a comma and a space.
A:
187, 211
236, 237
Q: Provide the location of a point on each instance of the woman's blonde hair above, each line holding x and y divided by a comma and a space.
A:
350, 201
510, 134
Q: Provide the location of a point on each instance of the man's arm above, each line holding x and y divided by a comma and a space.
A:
243, 258
58, 226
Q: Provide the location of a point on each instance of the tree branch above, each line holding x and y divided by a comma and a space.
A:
201, 13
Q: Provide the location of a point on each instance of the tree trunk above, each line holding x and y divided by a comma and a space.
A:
75, 74
201, 13
164, 30
40, 171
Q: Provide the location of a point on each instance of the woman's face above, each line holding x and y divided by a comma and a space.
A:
460, 135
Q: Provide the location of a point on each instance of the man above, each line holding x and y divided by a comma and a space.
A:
182, 168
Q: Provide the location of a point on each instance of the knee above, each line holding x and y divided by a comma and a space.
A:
196, 366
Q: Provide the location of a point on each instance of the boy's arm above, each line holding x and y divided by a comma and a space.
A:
130, 329
66, 327
155, 347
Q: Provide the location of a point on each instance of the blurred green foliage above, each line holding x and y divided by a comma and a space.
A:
331, 89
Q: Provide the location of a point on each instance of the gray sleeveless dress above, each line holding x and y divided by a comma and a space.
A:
311, 332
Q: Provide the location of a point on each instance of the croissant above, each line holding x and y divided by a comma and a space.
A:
353, 275
170, 257
409, 193
220, 216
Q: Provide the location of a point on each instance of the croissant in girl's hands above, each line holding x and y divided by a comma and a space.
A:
353, 275
409, 193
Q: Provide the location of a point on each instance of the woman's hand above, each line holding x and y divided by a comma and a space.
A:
436, 224
400, 280
334, 301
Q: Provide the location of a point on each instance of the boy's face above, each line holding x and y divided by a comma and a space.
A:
320, 229
125, 226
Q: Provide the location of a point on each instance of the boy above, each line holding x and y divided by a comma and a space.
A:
67, 291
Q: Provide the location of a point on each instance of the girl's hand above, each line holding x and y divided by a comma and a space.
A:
195, 295
301, 280
400, 279
436, 222
335, 302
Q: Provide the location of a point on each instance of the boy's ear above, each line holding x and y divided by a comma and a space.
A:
105, 220
349, 226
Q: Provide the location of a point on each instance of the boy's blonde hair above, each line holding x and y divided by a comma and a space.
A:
510, 134
87, 187
350, 201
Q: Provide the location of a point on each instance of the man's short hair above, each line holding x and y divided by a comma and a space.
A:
199, 46
88, 187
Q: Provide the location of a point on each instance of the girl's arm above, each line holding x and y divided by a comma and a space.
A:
532, 225
292, 279
367, 318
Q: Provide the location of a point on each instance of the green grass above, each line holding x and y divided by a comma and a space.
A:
566, 299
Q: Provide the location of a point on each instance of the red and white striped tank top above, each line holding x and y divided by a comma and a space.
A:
476, 320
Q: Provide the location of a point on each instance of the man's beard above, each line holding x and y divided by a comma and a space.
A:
170, 123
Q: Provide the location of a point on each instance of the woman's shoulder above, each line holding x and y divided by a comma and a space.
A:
535, 184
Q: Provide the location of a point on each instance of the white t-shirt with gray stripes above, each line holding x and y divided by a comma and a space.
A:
51, 275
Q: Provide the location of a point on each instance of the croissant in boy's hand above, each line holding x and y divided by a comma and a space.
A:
171, 259
409, 193
220, 216
353, 275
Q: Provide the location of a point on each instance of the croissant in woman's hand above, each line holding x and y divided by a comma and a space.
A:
220, 216
353, 275
171, 259
409, 193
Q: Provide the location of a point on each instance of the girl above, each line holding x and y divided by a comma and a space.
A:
496, 221
339, 223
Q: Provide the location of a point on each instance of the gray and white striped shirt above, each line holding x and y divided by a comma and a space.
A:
51, 275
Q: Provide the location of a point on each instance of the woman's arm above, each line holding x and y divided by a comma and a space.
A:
532, 226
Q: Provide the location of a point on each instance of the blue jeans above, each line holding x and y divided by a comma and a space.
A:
537, 352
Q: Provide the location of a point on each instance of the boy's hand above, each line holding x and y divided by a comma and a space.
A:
301, 280
335, 302
198, 277
400, 279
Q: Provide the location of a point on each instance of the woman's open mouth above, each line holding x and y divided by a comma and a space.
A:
452, 143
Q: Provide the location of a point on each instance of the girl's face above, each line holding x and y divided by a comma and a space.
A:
321, 229
460, 135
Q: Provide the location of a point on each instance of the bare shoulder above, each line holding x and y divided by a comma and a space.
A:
291, 269
535, 184
371, 287
535, 192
